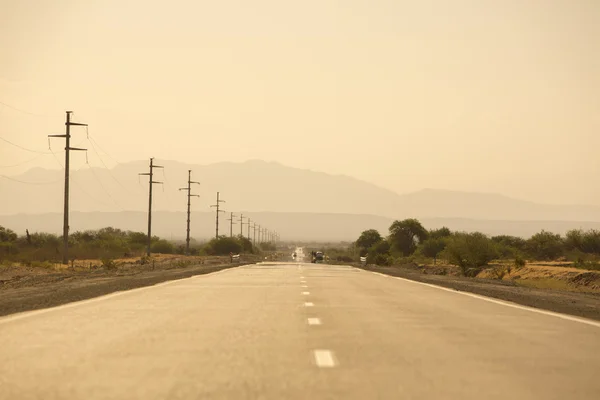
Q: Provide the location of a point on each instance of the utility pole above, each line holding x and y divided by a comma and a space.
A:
249, 228
254, 234
218, 205
150, 184
68, 148
231, 223
189, 195
242, 225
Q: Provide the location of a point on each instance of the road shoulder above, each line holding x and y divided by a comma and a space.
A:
586, 305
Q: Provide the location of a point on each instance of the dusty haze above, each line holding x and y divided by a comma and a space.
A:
485, 96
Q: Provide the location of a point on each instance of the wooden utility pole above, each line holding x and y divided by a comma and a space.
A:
242, 225
231, 223
150, 184
189, 196
68, 148
218, 205
249, 220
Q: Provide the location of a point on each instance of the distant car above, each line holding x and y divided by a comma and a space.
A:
319, 257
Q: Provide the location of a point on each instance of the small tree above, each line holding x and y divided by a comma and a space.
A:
223, 246
379, 252
440, 233
545, 245
431, 247
470, 251
368, 238
7, 235
406, 235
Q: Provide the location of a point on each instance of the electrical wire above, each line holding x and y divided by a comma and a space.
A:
24, 148
30, 183
104, 188
23, 111
108, 169
22, 163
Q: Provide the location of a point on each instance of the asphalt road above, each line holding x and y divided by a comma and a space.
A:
296, 331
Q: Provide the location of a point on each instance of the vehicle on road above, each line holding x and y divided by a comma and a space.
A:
318, 257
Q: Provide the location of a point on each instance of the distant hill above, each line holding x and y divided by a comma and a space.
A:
258, 186
291, 226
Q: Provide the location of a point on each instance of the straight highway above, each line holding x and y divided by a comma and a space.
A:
296, 331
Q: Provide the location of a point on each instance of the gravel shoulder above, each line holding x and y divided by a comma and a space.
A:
586, 305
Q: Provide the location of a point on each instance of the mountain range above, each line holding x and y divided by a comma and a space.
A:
266, 189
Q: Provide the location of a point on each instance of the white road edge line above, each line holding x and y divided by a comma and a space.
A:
496, 301
324, 358
314, 321
308, 304
26, 314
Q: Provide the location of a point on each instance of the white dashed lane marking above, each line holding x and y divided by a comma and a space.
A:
324, 359
314, 321
308, 304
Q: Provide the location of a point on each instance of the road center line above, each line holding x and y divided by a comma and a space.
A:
305, 293
314, 321
308, 304
324, 358
304, 286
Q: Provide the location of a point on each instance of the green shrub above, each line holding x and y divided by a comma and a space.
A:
519, 262
470, 252
545, 246
162, 246
223, 246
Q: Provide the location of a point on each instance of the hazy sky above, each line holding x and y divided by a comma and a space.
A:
479, 95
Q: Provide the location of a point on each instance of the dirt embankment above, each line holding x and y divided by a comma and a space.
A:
28, 288
576, 295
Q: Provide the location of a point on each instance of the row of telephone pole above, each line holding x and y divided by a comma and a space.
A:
264, 235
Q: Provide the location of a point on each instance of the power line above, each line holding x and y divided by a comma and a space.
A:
24, 148
30, 183
104, 188
22, 163
108, 169
23, 111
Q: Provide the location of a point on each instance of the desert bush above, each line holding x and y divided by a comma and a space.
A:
519, 262
162, 246
109, 264
470, 252
545, 246
223, 246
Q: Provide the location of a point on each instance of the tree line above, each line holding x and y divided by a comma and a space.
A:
408, 240
113, 243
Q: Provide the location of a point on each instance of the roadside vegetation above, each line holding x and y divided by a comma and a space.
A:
409, 242
107, 244
545, 260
